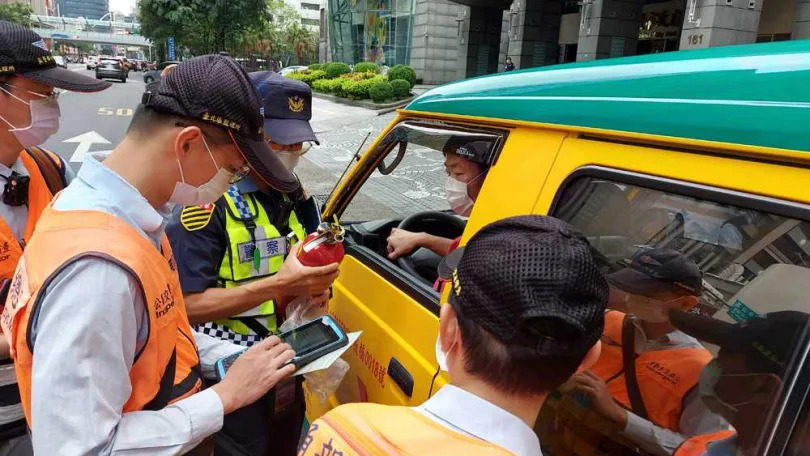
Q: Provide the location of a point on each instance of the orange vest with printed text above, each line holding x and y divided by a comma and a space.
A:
167, 367
38, 163
374, 429
696, 446
664, 376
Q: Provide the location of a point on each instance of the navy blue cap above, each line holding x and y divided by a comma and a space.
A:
287, 108
656, 270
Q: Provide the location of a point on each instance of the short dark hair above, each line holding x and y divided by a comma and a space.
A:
146, 119
514, 370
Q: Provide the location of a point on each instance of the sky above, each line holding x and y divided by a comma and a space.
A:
124, 6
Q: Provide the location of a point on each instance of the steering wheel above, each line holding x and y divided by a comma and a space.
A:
422, 262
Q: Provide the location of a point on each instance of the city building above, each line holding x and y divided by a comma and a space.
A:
88, 9
39, 6
445, 40
310, 11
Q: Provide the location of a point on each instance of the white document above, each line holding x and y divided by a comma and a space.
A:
328, 359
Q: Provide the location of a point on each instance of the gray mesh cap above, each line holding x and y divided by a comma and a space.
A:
216, 90
530, 281
23, 52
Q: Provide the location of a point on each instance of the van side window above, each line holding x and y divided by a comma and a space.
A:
750, 265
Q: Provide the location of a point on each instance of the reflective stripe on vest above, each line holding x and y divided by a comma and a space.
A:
167, 367
374, 429
38, 197
256, 249
664, 376
697, 446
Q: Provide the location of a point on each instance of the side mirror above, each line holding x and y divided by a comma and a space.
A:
388, 169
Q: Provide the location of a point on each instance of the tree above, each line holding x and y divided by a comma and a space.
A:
18, 13
302, 42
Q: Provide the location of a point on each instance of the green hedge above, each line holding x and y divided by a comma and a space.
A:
327, 85
402, 72
358, 90
367, 67
381, 91
307, 76
317, 66
401, 87
336, 69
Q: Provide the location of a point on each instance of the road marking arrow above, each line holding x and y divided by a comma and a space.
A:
84, 140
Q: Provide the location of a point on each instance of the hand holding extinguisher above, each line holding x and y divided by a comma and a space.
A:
319, 249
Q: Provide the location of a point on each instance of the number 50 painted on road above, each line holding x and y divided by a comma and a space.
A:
122, 112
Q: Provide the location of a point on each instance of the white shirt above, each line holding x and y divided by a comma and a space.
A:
92, 321
468, 414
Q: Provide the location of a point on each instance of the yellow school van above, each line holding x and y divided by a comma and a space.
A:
704, 152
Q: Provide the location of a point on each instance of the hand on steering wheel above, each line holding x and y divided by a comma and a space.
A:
402, 242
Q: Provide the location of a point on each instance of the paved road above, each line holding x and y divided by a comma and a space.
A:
96, 122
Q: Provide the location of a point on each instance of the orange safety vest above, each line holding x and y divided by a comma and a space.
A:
47, 178
664, 376
697, 446
167, 368
374, 429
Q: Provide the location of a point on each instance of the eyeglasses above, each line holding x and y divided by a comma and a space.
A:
296, 149
53, 95
238, 172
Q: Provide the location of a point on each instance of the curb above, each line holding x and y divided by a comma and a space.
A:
381, 109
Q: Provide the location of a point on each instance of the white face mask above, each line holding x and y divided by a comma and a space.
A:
457, 195
441, 357
707, 388
291, 158
44, 120
207, 193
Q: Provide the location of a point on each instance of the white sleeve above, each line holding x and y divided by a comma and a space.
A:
211, 349
85, 339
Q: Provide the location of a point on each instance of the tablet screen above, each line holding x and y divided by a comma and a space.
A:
309, 337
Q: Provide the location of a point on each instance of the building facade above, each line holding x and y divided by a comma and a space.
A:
88, 9
310, 11
447, 40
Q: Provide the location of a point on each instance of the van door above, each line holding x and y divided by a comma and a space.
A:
393, 362
745, 224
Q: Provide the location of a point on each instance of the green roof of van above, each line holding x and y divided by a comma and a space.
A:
757, 94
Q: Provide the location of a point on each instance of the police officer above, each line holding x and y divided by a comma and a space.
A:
29, 176
240, 241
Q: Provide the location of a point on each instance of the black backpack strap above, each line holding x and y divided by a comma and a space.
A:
629, 360
50, 168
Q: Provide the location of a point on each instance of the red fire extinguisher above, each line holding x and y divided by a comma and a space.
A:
324, 246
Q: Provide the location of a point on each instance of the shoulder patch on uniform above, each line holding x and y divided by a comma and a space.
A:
194, 218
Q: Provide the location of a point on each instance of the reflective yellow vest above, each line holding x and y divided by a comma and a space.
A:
256, 249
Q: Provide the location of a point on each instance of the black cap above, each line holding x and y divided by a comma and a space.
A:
473, 150
24, 53
216, 90
530, 281
768, 341
287, 108
657, 270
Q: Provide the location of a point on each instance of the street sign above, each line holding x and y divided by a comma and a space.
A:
171, 48
85, 140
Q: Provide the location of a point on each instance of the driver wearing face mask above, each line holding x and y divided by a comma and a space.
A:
29, 176
645, 382
466, 173
744, 382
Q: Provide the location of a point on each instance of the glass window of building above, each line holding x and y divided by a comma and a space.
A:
371, 31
